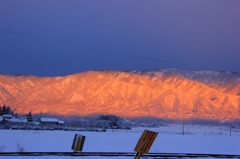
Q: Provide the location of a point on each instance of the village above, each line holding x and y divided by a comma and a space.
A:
11, 120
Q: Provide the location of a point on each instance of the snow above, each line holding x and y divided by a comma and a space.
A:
159, 74
55, 120
14, 120
49, 120
197, 139
7, 116
215, 73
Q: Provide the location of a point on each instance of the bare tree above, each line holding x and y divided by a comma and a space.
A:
20, 148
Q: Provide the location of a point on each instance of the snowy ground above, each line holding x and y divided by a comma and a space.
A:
197, 139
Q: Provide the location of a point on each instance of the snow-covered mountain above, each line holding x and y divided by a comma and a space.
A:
166, 93
227, 82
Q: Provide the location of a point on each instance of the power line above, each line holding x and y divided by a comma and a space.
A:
17, 33
155, 59
96, 49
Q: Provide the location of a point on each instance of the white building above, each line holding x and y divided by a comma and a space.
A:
51, 121
7, 116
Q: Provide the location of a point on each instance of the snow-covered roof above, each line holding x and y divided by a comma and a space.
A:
60, 122
36, 123
24, 121
14, 120
49, 120
7, 115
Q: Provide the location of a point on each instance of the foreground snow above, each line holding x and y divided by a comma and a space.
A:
197, 139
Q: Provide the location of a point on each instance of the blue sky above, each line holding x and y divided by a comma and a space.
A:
61, 37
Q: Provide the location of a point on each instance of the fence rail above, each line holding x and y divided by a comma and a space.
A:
130, 154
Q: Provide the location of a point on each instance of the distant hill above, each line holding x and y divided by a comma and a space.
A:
164, 93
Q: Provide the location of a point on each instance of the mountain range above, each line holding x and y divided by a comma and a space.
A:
163, 93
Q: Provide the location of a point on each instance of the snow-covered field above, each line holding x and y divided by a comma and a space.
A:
197, 139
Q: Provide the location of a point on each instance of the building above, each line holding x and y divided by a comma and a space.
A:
7, 117
51, 121
1, 122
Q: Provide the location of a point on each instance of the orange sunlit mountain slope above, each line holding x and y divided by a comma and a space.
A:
163, 94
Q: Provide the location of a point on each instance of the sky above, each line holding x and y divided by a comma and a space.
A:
62, 37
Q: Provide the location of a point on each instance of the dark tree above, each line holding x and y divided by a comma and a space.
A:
4, 109
29, 117
8, 110
113, 121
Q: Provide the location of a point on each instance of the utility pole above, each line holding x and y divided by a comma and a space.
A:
230, 130
41, 114
183, 128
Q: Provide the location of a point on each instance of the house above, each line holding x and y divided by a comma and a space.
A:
1, 122
51, 121
7, 117
14, 120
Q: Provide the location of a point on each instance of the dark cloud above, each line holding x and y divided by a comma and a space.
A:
62, 37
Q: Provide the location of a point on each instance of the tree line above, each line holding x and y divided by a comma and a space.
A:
7, 110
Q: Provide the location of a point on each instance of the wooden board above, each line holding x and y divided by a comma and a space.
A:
145, 142
78, 142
